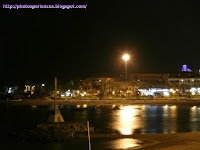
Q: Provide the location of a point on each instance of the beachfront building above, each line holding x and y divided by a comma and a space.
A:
185, 82
150, 80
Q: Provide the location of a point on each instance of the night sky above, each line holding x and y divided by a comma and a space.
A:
38, 44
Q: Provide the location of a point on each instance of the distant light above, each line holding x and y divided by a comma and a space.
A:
192, 89
78, 106
113, 106
78, 92
85, 106
9, 90
174, 106
126, 131
43, 84
62, 95
34, 106
126, 57
186, 69
172, 90
193, 107
166, 106
166, 93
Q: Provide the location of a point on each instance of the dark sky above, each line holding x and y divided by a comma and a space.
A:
41, 43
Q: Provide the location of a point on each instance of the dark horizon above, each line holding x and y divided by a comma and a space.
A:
39, 44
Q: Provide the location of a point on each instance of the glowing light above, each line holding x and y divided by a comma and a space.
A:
166, 93
192, 89
143, 106
153, 90
166, 106
34, 106
127, 113
174, 106
78, 92
43, 85
113, 106
127, 120
85, 106
62, 95
126, 131
186, 69
126, 57
113, 92
193, 108
78, 106
172, 90
9, 90
124, 143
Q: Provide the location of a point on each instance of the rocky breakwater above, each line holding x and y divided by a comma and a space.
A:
51, 132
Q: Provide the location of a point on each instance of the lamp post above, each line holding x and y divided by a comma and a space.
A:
126, 57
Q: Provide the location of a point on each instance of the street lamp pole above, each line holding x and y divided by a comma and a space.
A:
126, 70
126, 58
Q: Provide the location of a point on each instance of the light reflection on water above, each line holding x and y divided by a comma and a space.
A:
139, 119
125, 143
144, 119
126, 119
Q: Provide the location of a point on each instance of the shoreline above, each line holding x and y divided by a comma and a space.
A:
173, 141
105, 102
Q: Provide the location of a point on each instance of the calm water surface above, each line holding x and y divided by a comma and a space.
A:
127, 120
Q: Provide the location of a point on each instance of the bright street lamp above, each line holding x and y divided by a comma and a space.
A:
126, 57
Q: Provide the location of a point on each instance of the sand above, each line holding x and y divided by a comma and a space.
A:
175, 141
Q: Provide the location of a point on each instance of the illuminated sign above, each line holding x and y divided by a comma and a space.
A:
186, 69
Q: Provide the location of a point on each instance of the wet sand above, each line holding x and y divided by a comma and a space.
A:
175, 141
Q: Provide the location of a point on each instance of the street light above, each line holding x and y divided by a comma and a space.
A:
126, 57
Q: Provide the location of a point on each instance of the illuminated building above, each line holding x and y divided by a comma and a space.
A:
186, 69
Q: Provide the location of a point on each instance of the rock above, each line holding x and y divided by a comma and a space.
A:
53, 132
